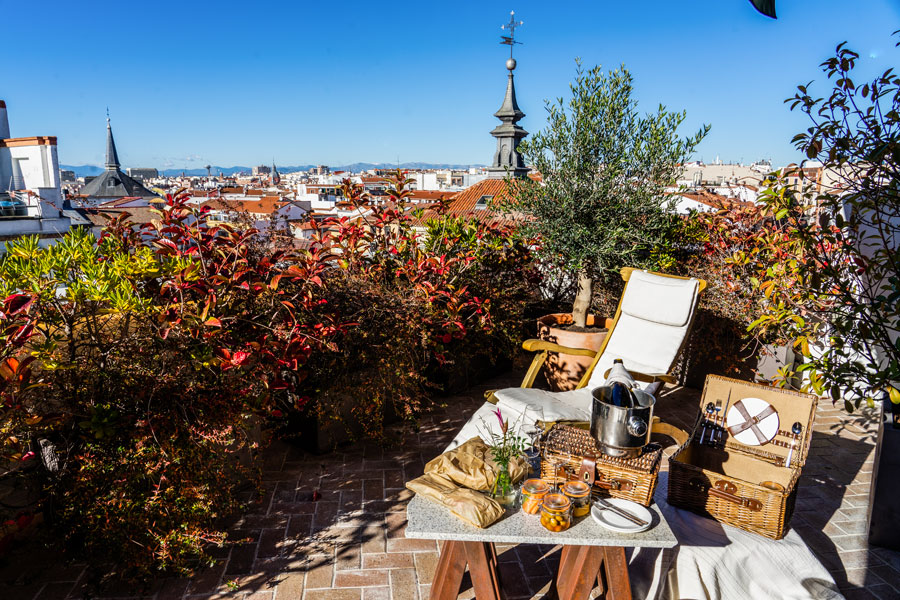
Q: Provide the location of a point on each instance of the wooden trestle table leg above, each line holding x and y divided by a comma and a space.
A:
583, 567
481, 558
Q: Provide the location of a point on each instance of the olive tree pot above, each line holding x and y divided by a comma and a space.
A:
563, 372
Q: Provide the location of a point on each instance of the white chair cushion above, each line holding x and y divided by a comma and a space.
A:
663, 300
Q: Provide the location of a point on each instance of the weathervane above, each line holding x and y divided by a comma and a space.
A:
510, 40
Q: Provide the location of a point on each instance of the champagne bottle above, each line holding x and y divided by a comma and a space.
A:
621, 395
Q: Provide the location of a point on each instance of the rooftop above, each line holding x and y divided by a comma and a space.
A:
350, 544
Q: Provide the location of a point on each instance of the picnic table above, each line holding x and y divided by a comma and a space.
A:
591, 554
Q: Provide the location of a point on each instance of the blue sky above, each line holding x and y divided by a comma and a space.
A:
242, 83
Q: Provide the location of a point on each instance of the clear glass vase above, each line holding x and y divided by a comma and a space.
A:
504, 492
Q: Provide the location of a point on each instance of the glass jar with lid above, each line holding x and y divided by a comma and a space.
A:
579, 493
556, 512
533, 492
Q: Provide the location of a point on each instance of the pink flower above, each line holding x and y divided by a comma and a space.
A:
504, 425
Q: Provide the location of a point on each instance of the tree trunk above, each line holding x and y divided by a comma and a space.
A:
582, 300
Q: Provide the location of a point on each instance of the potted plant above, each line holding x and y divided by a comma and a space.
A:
602, 202
841, 304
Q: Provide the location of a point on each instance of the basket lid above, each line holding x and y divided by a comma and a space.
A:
760, 420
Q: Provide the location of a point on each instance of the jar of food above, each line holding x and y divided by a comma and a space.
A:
579, 493
533, 492
556, 512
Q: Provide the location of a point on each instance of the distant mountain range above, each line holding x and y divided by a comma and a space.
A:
88, 170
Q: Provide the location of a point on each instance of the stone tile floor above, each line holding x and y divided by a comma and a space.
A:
350, 543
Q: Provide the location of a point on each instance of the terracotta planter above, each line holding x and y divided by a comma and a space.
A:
563, 372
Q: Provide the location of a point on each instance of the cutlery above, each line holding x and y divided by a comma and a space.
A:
714, 436
725, 417
604, 505
796, 430
710, 409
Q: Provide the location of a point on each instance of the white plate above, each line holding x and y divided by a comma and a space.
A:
768, 427
611, 520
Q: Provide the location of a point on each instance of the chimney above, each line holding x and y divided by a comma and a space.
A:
4, 121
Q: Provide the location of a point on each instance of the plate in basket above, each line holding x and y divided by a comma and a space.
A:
614, 522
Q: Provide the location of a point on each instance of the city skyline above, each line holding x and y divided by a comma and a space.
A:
305, 86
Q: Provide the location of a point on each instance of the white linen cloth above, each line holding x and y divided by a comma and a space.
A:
719, 562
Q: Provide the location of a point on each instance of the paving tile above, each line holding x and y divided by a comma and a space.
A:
373, 539
426, 563
851, 527
403, 584
334, 594
362, 578
851, 542
241, 559
270, 542
348, 557
58, 590
513, 579
21, 592
207, 580
396, 560
378, 593
883, 592
410, 545
859, 577
320, 576
889, 575
173, 588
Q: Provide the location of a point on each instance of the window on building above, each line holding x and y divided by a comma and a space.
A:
483, 202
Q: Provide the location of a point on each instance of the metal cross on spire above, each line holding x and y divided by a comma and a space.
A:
510, 40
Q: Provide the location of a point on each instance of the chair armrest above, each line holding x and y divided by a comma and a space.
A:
545, 346
680, 436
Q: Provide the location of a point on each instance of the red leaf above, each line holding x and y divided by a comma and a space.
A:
212, 322
17, 303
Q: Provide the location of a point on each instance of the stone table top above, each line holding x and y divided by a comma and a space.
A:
427, 520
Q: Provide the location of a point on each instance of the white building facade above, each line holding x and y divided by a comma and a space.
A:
31, 200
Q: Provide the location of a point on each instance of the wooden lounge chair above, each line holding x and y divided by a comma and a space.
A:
647, 332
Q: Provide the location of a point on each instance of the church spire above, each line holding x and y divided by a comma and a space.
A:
112, 157
507, 159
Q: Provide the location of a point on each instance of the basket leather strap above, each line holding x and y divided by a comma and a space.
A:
588, 470
751, 422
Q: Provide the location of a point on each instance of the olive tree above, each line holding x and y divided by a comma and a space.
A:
606, 172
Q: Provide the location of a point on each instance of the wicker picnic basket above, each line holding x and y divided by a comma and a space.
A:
577, 455
752, 487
